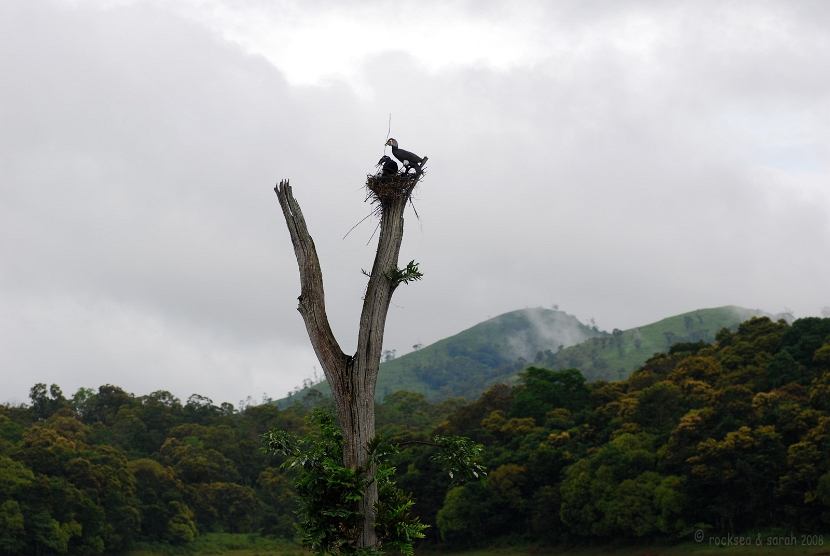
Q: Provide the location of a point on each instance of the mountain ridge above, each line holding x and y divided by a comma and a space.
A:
623, 351
496, 350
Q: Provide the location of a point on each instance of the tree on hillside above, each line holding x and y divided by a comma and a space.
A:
353, 377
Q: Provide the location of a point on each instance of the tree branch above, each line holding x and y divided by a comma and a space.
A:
353, 379
312, 305
380, 288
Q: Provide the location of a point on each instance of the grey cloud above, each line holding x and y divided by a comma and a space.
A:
141, 244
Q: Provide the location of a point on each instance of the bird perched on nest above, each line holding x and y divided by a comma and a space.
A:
388, 167
408, 159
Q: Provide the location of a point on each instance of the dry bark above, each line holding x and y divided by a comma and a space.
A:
352, 378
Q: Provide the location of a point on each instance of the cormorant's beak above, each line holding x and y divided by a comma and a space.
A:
389, 142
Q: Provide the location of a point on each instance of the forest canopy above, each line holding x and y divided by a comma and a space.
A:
731, 436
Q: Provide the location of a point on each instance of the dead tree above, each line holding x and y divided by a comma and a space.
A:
352, 378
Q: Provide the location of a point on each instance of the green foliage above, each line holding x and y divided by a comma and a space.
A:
463, 518
328, 492
164, 514
713, 436
730, 436
409, 273
456, 455
279, 497
43, 404
181, 527
616, 492
542, 390
12, 527
226, 507
109, 469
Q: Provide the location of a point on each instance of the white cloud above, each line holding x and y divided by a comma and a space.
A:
626, 161
78, 341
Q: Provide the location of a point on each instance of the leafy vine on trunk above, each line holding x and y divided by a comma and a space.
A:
327, 491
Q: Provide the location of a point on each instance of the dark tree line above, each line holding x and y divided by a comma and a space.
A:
731, 436
102, 470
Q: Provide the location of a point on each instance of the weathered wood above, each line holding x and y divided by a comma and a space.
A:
352, 378
312, 304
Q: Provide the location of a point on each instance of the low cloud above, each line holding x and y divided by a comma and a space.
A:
628, 165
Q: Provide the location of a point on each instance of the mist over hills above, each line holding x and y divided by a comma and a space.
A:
738, 428
468, 363
615, 356
496, 350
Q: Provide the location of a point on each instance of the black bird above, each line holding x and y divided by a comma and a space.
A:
388, 166
408, 159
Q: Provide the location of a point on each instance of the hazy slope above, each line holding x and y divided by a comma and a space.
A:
497, 349
615, 356
466, 364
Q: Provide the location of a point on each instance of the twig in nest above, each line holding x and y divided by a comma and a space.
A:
373, 233
361, 222
389, 131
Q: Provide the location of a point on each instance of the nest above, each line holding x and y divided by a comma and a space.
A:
385, 188
381, 190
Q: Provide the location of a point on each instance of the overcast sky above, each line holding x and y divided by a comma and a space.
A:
627, 161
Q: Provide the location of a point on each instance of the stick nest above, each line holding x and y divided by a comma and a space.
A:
383, 188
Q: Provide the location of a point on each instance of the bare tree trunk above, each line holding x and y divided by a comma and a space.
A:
352, 378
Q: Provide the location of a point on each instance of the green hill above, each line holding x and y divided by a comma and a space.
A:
496, 350
615, 356
468, 363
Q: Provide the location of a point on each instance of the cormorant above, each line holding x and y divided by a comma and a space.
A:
388, 166
408, 159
